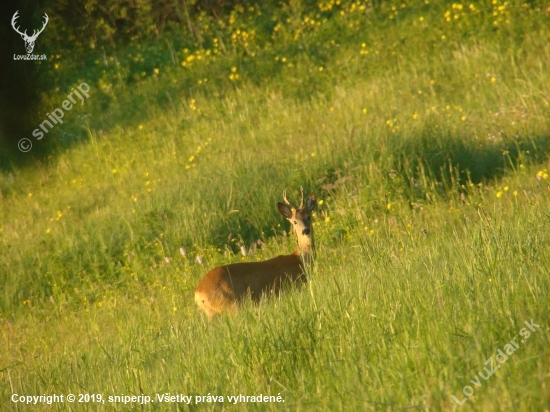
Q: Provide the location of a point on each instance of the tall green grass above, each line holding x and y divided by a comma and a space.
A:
428, 155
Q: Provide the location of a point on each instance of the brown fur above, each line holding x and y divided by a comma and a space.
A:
222, 287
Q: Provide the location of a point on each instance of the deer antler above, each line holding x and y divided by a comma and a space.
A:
13, 19
290, 204
35, 34
286, 200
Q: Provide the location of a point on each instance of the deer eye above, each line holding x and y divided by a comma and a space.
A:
295, 222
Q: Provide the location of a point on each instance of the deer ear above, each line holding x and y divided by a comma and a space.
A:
311, 202
285, 210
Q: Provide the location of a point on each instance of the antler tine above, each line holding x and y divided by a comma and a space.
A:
286, 200
14, 18
302, 201
44, 24
46, 20
13, 23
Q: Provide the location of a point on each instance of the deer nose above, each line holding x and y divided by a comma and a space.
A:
305, 231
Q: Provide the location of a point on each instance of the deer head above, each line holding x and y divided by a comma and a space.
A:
300, 218
29, 40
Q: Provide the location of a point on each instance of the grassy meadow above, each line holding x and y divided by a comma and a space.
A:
423, 127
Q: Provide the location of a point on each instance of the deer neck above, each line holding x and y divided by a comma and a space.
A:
306, 249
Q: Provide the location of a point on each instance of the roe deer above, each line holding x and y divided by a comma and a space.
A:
222, 287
